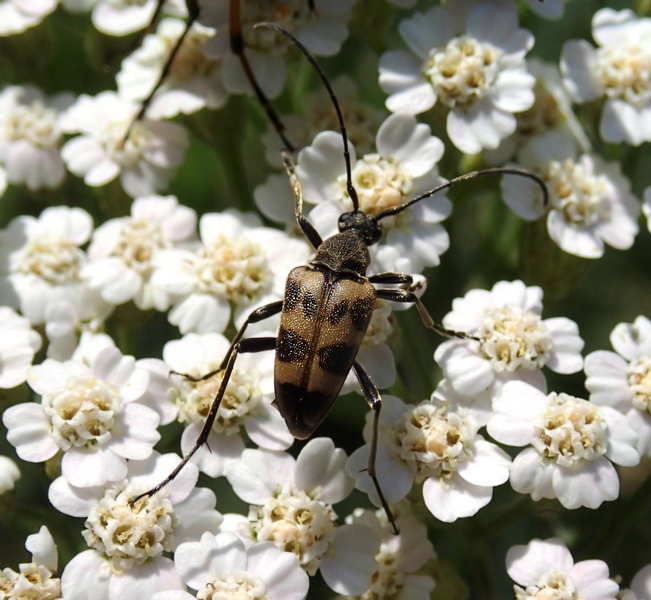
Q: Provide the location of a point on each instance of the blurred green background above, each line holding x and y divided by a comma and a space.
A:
224, 165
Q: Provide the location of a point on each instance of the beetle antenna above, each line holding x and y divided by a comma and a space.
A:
389, 212
349, 179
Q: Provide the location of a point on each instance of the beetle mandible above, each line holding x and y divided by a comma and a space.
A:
326, 310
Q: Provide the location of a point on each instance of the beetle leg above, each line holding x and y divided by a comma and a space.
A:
249, 345
305, 226
193, 15
404, 278
400, 295
259, 314
372, 396
237, 48
116, 57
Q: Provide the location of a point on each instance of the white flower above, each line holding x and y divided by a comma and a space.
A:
546, 569
126, 541
220, 566
322, 30
122, 17
405, 165
292, 507
90, 345
434, 443
274, 197
122, 250
239, 262
30, 136
622, 380
573, 442
246, 404
18, 344
362, 121
16, 16
511, 340
473, 64
478, 405
88, 412
193, 82
551, 110
158, 395
619, 70
646, 206
399, 558
34, 579
640, 586
41, 262
9, 475
68, 321
590, 201
548, 9
145, 161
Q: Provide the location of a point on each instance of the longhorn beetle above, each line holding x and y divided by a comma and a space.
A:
326, 310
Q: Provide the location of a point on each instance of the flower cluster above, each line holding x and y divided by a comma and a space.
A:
547, 567
175, 307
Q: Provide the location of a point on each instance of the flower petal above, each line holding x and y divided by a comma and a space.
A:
526, 564
282, 577
589, 486
489, 466
454, 498
350, 561
88, 467
321, 465
257, 475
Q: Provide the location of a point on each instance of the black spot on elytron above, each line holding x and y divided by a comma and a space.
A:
292, 295
336, 358
302, 410
360, 312
291, 347
338, 312
309, 304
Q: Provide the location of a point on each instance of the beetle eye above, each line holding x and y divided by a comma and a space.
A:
373, 233
349, 220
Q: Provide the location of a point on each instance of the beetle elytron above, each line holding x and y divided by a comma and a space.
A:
325, 312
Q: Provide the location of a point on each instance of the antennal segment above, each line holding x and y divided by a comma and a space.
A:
389, 212
349, 179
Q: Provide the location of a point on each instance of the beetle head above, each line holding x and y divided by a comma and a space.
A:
366, 225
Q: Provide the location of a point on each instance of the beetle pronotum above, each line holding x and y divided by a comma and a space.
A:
326, 310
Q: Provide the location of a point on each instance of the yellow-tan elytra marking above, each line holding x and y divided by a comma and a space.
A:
326, 310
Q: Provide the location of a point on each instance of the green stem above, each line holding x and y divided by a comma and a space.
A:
224, 132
